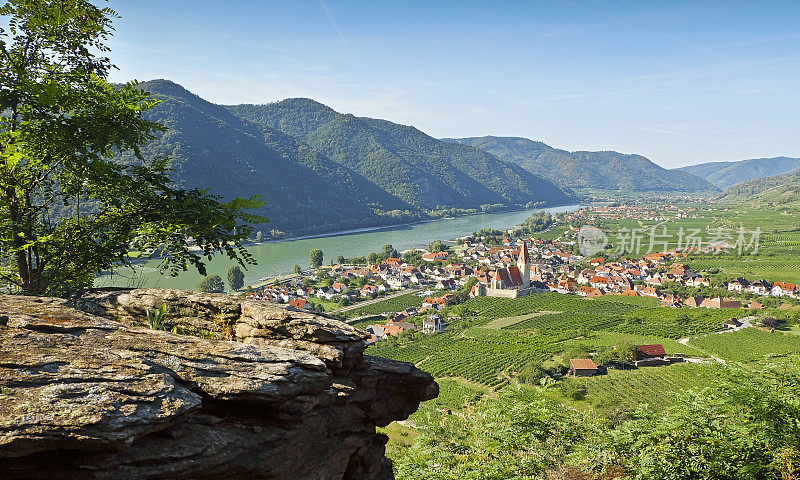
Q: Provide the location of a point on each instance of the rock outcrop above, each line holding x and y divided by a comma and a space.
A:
86, 391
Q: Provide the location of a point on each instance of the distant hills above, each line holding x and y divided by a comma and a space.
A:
781, 190
600, 170
725, 174
321, 171
410, 165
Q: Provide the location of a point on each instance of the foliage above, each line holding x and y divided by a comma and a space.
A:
517, 435
67, 210
437, 246
743, 428
211, 284
418, 171
462, 294
155, 319
537, 222
298, 270
315, 258
235, 278
737, 432
780, 190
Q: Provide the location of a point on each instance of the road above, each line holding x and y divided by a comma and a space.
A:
376, 300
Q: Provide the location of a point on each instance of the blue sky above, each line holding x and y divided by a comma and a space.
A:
678, 82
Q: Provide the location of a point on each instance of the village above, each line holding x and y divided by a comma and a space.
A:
516, 267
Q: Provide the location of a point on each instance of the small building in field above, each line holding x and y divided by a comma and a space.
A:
732, 323
647, 352
582, 367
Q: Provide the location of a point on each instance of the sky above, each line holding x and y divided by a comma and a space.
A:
678, 82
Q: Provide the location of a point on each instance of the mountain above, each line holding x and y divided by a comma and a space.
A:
781, 190
725, 174
604, 170
415, 167
347, 184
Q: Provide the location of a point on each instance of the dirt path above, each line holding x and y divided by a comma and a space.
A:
745, 324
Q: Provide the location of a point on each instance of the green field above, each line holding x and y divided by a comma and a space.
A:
492, 356
655, 386
750, 345
395, 304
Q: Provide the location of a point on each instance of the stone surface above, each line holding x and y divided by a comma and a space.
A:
86, 391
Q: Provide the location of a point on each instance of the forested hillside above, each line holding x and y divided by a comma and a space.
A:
407, 163
582, 169
725, 174
321, 171
782, 190
210, 148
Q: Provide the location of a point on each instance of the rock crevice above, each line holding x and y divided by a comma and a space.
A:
86, 391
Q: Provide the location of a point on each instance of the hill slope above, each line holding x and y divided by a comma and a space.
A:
404, 161
210, 148
581, 169
781, 190
348, 173
725, 174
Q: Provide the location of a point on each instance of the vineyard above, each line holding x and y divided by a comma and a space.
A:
491, 356
656, 386
394, 304
749, 345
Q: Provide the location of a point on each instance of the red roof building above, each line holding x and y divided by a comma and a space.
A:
644, 352
582, 367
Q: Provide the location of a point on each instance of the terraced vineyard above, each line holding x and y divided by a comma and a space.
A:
395, 304
491, 356
749, 345
655, 386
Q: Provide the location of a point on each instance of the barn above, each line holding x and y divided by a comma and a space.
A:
582, 367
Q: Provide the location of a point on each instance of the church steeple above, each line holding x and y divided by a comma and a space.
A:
524, 264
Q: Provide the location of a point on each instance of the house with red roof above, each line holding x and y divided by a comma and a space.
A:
582, 367
780, 289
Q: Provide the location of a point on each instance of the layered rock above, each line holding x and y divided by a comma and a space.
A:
87, 392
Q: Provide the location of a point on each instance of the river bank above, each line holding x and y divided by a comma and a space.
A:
279, 257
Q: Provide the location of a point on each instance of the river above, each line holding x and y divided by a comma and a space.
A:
280, 257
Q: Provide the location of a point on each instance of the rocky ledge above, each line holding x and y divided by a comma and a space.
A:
88, 391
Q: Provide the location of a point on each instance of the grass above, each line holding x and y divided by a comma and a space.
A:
504, 322
327, 305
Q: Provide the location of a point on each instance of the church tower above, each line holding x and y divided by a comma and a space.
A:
524, 265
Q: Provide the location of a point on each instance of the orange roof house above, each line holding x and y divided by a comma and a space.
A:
582, 367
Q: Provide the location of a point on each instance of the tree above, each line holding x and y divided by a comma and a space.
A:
341, 260
67, 208
436, 246
235, 278
373, 258
315, 258
298, 270
389, 252
211, 284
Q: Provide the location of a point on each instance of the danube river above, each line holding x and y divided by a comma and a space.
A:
277, 258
